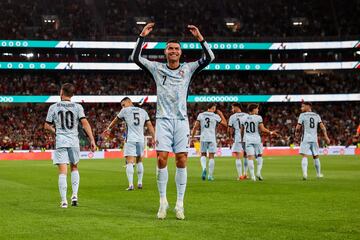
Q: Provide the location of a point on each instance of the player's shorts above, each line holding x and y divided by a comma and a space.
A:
66, 155
309, 148
253, 149
210, 147
238, 147
134, 149
172, 135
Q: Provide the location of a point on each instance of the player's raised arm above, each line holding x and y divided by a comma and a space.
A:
323, 129
143, 63
88, 131
223, 120
208, 54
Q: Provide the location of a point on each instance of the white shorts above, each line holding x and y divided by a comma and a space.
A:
238, 147
253, 149
309, 148
134, 149
172, 135
210, 147
66, 155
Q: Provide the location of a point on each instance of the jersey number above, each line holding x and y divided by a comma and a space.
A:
312, 123
164, 79
136, 119
66, 120
207, 123
250, 127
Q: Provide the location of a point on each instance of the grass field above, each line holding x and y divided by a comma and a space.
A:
281, 207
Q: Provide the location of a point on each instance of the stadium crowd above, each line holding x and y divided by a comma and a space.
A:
23, 124
127, 83
105, 20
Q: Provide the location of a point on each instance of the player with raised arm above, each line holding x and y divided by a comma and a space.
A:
208, 122
253, 125
136, 119
63, 119
172, 127
236, 120
309, 122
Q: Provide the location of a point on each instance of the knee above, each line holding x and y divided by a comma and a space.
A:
161, 160
181, 160
74, 168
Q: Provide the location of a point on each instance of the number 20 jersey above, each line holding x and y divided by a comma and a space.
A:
66, 116
309, 122
251, 129
135, 119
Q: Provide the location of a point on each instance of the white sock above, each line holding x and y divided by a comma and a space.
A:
162, 179
130, 173
180, 179
304, 165
259, 165
211, 167
251, 168
62, 187
203, 162
317, 166
238, 167
75, 182
246, 166
140, 172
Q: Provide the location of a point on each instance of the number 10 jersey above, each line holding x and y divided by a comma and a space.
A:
66, 116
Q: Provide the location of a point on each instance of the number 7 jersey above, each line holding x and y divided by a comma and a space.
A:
309, 122
66, 116
251, 129
135, 119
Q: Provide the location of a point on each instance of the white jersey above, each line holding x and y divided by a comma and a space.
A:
135, 119
236, 121
66, 116
309, 122
208, 122
251, 129
172, 84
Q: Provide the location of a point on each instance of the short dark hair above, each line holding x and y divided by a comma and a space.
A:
172, 41
125, 99
252, 106
68, 89
236, 105
210, 105
307, 103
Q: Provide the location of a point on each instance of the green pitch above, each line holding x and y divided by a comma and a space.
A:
281, 207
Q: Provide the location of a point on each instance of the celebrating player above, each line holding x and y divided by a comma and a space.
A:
208, 121
309, 122
236, 120
172, 127
251, 128
135, 119
63, 119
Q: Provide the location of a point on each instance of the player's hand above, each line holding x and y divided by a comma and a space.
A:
327, 140
93, 146
195, 32
147, 29
219, 112
275, 133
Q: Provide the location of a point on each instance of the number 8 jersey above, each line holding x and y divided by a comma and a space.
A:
251, 129
309, 122
66, 115
135, 119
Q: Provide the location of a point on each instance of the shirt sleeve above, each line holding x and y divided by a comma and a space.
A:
260, 119
81, 112
300, 120
121, 114
143, 63
231, 121
218, 118
319, 119
50, 115
199, 117
147, 118
206, 59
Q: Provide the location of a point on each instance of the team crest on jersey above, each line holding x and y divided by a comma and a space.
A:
181, 72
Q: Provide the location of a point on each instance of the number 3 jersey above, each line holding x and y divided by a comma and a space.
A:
208, 123
66, 115
251, 129
135, 119
309, 122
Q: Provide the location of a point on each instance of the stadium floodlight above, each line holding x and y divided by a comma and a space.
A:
230, 24
140, 23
